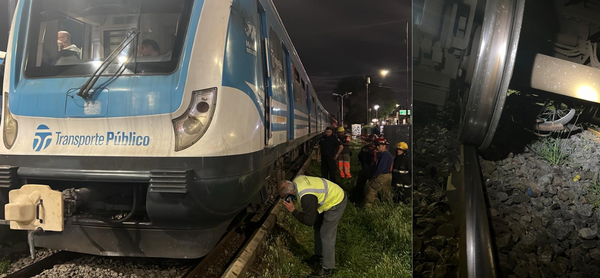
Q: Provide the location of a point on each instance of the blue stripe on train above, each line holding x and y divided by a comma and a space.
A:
279, 127
300, 117
160, 94
279, 112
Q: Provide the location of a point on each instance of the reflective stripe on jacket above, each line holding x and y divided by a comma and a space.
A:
328, 193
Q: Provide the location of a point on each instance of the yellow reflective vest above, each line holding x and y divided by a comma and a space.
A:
328, 193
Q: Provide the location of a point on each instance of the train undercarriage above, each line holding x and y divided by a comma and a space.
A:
116, 207
478, 50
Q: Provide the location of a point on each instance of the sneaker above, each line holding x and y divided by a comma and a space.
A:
322, 272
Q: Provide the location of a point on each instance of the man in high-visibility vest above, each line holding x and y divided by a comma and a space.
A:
323, 203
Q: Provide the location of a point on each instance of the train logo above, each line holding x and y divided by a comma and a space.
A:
250, 30
42, 139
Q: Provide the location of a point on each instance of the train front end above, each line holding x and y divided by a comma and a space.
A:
112, 138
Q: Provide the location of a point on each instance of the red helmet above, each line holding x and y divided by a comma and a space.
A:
381, 141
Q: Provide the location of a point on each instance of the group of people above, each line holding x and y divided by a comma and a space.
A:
334, 149
382, 177
323, 201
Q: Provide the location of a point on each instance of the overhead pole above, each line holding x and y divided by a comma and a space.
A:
367, 85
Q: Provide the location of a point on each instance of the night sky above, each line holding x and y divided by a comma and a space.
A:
340, 38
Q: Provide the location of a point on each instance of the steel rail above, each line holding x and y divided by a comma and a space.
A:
476, 250
43, 264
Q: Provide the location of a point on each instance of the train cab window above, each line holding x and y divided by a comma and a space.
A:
75, 37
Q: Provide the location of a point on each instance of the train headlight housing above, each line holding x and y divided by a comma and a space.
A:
11, 126
190, 126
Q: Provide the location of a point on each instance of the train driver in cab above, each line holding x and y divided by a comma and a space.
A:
67, 51
149, 48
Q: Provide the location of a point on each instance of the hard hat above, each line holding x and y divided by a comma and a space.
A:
340, 129
403, 146
381, 141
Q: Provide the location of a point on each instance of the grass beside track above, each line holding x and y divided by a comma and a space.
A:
372, 241
4, 266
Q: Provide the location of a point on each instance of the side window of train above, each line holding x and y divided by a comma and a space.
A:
299, 89
304, 93
278, 79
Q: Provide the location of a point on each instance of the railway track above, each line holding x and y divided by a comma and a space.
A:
476, 249
231, 257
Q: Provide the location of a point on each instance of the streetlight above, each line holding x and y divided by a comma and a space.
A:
376, 111
383, 72
342, 97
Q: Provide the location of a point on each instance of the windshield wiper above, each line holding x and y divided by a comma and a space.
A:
84, 91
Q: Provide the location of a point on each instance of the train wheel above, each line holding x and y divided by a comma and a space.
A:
495, 47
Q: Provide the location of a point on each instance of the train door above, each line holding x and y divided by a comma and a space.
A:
318, 118
267, 93
309, 106
290, 90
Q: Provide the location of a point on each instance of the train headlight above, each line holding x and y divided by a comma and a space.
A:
11, 126
190, 126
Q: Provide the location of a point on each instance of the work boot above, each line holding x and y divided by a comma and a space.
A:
314, 260
322, 272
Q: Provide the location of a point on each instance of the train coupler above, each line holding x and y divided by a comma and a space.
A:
33, 207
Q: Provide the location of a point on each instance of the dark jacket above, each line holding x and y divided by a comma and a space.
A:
401, 164
309, 212
367, 157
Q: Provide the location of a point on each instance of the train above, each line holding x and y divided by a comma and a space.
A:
143, 128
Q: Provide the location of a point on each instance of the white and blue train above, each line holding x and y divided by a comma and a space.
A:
157, 121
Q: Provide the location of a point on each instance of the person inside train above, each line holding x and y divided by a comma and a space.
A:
67, 51
328, 152
323, 203
344, 158
149, 48
379, 187
401, 179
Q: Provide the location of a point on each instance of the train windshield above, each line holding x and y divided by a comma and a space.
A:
74, 37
